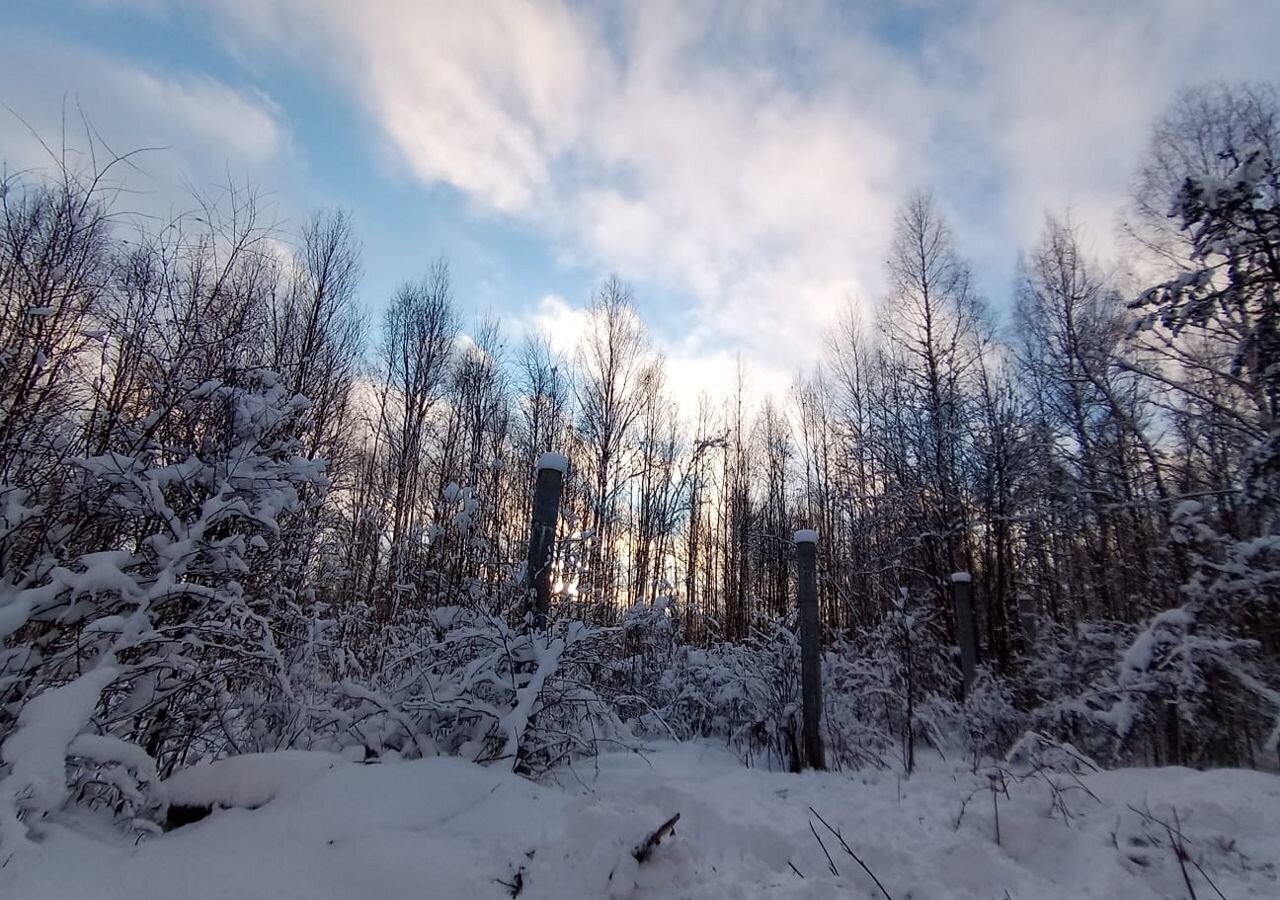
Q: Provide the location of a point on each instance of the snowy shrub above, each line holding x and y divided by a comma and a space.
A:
1182, 687
159, 644
1155, 694
651, 640
649, 660
1047, 767
106, 772
870, 718
864, 708
887, 688
1067, 682
746, 694
984, 726
1035, 751
465, 683
1169, 688
884, 691
992, 720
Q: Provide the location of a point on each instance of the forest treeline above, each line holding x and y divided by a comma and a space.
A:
237, 513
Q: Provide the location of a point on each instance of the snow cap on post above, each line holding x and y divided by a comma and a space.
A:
557, 461
961, 578
806, 536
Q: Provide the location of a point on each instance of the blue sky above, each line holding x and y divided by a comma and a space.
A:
738, 162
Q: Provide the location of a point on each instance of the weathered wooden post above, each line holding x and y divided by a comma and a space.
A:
810, 646
542, 534
961, 590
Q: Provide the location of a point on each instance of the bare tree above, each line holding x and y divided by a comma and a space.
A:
419, 332
1071, 328
932, 322
611, 363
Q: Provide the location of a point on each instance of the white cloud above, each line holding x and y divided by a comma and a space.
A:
208, 114
633, 145
200, 128
748, 156
562, 324
483, 97
1062, 95
695, 373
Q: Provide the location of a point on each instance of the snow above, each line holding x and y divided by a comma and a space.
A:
247, 781
14, 614
557, 461
806, 536
961, 578
35, 752
106, 748
514, 722
445, 828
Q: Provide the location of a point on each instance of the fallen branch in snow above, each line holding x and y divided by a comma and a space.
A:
847, 849
830, 863
645, 850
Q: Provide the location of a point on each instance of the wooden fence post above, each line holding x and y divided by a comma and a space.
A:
961, 589
810, 646
542, 534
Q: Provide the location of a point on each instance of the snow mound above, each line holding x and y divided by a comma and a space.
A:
445, 828
806, 536
247, 781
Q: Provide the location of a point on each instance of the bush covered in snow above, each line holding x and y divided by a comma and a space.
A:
1184, 686
462, 682
159, 650
885, 693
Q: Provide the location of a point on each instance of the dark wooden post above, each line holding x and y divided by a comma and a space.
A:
961, 589
542, 534
810, 646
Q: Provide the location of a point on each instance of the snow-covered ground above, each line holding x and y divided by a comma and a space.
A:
444, 828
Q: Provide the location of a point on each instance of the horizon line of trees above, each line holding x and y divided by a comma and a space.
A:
204, 432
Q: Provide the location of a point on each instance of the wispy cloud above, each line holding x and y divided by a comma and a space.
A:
640, 142
745, 156
202, 129
751, 156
